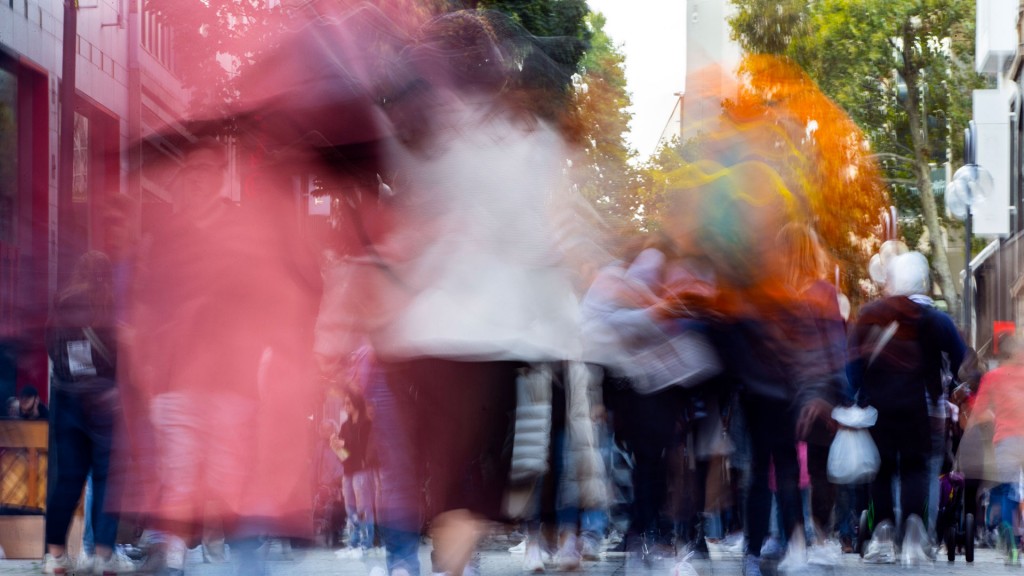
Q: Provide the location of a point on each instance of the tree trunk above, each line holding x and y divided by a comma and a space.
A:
922, 169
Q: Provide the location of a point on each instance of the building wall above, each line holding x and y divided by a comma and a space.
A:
999, 278
711, 59
126, 90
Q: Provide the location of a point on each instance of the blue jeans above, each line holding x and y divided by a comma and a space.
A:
348, 494
364, 487
82, 416
592, 522
88, 541
398, 516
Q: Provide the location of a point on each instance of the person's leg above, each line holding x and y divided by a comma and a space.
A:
88, 540
362, 486
593, 524
699, 521
881, 488
394, 429
70, 460
1008, 473
759, 497
650, 430
915, 450
787, 477
937, 426
351, 510
914, 484
179, 443
823, 492
472, 406
100, 421
845, 515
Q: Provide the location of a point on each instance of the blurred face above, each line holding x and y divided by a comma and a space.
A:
201, 182
28, 403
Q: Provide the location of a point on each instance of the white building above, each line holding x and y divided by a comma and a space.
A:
711, 59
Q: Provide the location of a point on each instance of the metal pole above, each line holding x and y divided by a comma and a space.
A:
967, 277
66, 145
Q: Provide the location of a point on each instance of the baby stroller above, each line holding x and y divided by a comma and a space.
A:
954, 524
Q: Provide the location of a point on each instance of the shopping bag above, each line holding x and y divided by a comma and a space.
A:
853, 457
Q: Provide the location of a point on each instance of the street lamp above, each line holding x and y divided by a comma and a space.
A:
971, 184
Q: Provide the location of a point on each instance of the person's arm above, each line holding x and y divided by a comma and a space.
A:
953, 346
855, 364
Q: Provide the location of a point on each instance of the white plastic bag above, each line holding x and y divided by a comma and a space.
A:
853, 457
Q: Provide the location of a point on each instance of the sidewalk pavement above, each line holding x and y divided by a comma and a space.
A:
323, 562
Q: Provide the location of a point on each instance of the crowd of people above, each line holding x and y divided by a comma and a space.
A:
475, 345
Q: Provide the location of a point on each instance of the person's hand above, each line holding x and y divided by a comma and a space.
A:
813, 411
327, 429
960, 394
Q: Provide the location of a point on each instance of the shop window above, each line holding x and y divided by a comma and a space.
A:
80, 183
8, 155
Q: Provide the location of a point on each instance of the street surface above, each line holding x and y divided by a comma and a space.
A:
497, 562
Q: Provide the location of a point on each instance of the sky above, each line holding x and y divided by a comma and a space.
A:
652, 35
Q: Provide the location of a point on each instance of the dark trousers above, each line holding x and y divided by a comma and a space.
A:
456, 420
81, 437
904, 442
823, 492
772, 426
647, 425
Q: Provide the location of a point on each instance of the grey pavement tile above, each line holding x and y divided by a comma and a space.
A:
322, 562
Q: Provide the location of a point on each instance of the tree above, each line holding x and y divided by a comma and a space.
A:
807, 158
606, 177
898, 68
214, 42
595, 117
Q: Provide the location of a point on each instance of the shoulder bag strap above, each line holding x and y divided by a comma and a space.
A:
98, 344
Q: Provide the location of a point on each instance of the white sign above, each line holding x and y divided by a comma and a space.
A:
992, 144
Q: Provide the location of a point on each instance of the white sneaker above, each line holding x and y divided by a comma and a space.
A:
533, 561
175, 552
795, 559
826, 553
118, 563
590, 549
881, 549
518, 548
350, 553
377, 571
916, 544
751, 565
56, 564
772, 548
734, 543
568, 556
684, 568
84, 563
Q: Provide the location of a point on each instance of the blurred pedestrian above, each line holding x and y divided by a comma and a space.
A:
898, 348
231, 274
30, 407
1002, 391
82, 345
807, 264
355, 447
